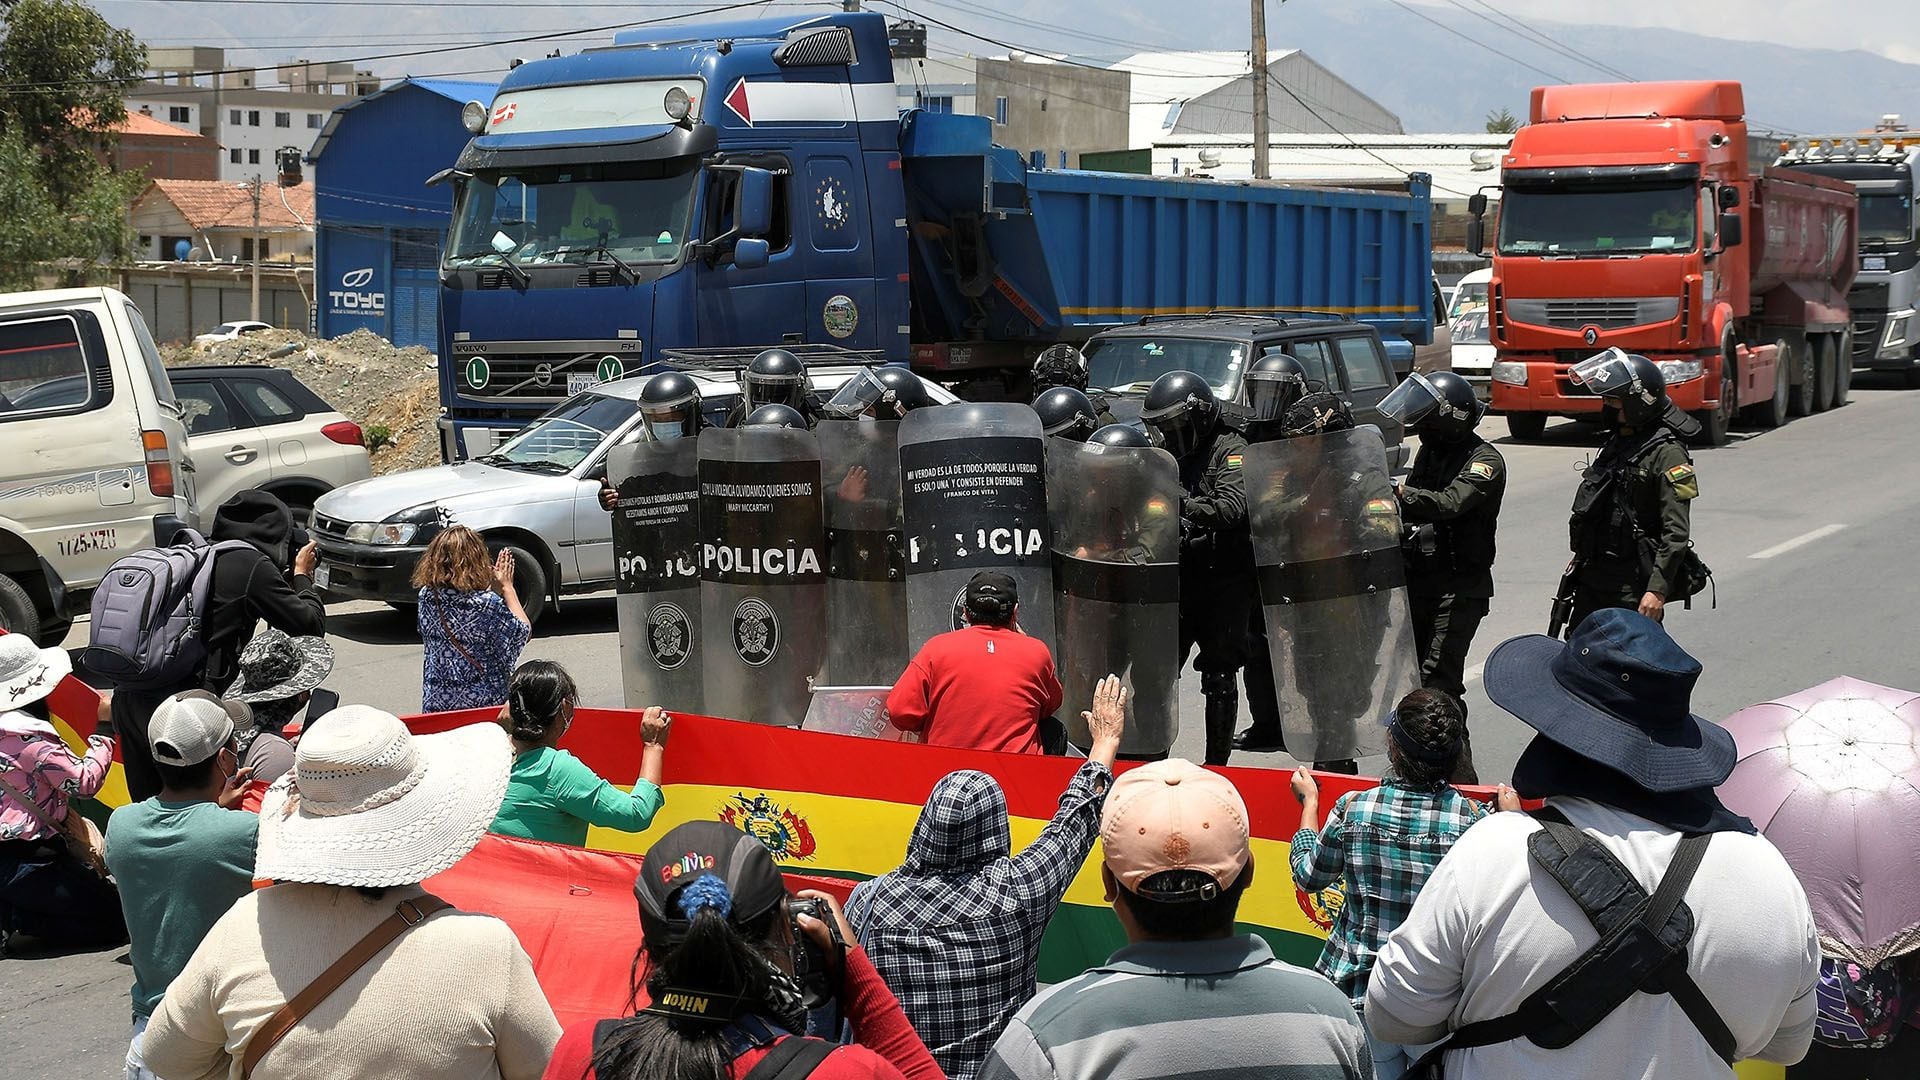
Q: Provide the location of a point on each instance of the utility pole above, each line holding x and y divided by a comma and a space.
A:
254, 306
1261, 120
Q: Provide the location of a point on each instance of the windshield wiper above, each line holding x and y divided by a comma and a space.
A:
626, 270
506, 261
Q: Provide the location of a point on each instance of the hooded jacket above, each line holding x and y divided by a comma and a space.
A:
248, 587
956, 929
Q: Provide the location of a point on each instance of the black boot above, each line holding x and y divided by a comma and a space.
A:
1223, 710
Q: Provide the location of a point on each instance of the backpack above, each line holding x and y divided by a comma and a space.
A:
148, 616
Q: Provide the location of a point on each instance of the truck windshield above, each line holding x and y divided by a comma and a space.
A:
1886, 219
575, 214
1597, 220
565, 436
1130, 364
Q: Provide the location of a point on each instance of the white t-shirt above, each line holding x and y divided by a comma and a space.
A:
1490, 927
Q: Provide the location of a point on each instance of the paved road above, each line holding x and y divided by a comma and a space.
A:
1809, 530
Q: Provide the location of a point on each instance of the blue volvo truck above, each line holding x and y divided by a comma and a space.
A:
745, 184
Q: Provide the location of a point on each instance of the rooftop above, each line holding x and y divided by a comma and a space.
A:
220, 204
139, 123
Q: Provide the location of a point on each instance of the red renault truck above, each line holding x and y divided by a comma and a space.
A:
1633, 215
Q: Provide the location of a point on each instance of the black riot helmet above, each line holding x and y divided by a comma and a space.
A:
670, 406
887, 392
1440, 406
1059, 365
1180, 406
776, 415
1628, 381
1274, 383
1319, 413
1120, 435
775, 377
1066, 412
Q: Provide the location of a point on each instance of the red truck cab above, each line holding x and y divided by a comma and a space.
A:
1631, 216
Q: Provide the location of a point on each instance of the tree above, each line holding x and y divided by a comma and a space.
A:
64, 74
1502, 122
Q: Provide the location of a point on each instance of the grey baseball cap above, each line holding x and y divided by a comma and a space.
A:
189, 728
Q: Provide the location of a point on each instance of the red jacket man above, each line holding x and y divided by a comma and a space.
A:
985, 687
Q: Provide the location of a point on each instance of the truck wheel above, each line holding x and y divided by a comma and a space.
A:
1772, 412
1526, 426
17, 613
1842, 369
1804, 374
1825, 370
1715, 422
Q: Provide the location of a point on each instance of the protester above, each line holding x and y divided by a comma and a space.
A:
47, 889
368, 812
717, 976
552, 795
247, 587
1865, 1027
1620, 757
278, 675
471, 623
1187, 996
1384, 842
987, 686
183, 857
956, 930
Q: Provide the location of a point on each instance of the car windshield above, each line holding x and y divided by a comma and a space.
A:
1130, 364
1470, 296
1886, 218
1470, 328
226, 328
565, 436
576, 214
1597, 219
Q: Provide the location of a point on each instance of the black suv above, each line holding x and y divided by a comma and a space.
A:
1346, 356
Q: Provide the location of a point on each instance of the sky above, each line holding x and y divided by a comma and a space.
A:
1887, 27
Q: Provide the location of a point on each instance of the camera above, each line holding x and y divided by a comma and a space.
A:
811, 966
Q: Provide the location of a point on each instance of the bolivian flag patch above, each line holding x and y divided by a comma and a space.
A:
1233, 461
1685, 483
1481, 469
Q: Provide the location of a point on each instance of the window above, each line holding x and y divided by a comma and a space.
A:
267, 404
1365, 364
720, 213
940, 103
43, 366
246, 248
253, 117
1312, 356
283, 119
253, 157
233, 156
206, 410
179, 114
1000, 111
316, 121
233, 117
156, 371
175, 247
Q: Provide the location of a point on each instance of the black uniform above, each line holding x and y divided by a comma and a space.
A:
1263, 697
1631, 522
1217, 586
1452, 496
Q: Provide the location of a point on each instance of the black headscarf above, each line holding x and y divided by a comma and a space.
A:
1546, 768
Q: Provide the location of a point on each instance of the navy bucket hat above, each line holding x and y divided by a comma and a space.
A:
1617, 694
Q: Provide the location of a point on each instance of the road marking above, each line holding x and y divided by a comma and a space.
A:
1472, 673
1800, 541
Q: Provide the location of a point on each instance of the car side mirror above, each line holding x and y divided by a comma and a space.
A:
750, 252
597, 473
753, 202
1731, 229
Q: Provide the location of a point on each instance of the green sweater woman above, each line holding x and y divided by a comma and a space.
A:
551, 794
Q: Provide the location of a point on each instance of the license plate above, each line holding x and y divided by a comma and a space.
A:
322, 574
577, 384
1873, 262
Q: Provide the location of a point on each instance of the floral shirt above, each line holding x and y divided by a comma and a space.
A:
472, 644
47, 772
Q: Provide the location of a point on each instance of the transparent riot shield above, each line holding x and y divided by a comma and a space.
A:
763, 582
1115, 512
866, 555
656, 552
1326, 541
973, 490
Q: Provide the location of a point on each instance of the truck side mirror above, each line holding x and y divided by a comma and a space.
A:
1477, 235
753, 203
1477, 204
1729, 197
1730, 228
750, 253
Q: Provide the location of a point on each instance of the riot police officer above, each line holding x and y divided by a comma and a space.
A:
1631, 523
775, 377
669, 409
1067, 413
1450, 505
1064, 365
1216, 553
1274, 384
1120, 435
887, 392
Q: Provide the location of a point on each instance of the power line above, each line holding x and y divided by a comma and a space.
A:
1534, 39
1416, 13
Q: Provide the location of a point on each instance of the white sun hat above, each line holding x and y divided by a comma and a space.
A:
29, 673
368, 803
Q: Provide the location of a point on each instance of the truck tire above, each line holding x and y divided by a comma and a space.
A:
1842, 369
1526, 426
1772, 412
1715, 423
529, 580
1825, 370
1805, 378
17, 613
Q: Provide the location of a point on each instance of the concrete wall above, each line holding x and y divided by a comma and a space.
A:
180, 305
1055, 107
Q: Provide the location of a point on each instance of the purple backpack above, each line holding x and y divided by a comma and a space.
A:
148, 615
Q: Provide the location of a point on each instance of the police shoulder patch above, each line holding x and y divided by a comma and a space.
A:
1679, 474
1481, 469
1233, 461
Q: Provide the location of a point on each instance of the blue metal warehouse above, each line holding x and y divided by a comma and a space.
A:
379, 228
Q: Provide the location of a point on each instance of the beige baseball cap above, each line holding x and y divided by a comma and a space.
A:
1174, 815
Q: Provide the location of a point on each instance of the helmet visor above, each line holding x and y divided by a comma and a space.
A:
761, 389
1606, 374
858, 396
1271, 393
1412, 401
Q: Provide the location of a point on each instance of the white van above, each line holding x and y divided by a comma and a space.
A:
95, 460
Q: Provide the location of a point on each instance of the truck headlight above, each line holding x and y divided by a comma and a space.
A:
1510, 372
1679, 371
1896, 335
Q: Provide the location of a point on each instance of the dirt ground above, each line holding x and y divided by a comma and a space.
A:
361, 374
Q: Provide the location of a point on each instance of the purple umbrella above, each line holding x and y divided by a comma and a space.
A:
1831, 775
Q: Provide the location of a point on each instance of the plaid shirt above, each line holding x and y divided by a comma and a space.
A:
956, 930
1386, 842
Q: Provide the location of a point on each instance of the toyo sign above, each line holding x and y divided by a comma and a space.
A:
356, 294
